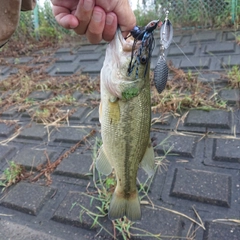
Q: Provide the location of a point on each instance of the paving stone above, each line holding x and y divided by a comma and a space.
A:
202, 186
89, 57
213, 119
220, 48
63, 51
177, 39
11, 231
70, 134
77, 95
66, 58
227, 150
5, 151
161, 119
13, 71
10, 113
178, 145
158, 221
230, 61
79, 115
34, 132
88, 48
66, 68
32, 158
175, 62
92, 116
195, 62
40, 95
94, 67
22, 60
75, 165
203, 36
71, 212
27, 198
6, 130
231, 35
221, 231
4, 70
175, 51
231, 96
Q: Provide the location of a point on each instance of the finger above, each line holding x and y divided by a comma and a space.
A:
110, 26
96, 25
64, 17
83, 14
125, 16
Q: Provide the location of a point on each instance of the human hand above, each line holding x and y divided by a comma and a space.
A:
98, 19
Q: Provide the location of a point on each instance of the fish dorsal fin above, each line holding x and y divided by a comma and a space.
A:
102, 163
147, 162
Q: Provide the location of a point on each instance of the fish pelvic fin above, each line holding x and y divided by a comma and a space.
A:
129, 207
102, 163
147, 162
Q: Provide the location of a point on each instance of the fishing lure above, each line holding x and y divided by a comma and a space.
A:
161, 70
145, 35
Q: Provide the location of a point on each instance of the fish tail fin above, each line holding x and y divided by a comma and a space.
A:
129, 207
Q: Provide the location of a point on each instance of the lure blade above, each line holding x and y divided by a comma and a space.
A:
160, 74
166, 34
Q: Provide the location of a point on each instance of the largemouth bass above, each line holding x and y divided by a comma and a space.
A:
125, 117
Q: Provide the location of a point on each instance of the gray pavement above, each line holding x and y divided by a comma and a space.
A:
204, 163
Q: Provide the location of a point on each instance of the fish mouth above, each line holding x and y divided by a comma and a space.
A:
125, 45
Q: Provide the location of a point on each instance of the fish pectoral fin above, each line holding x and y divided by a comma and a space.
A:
147, 162
120, 207
102, 163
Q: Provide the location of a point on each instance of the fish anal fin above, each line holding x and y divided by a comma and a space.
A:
129, 207
102, 163
147, 162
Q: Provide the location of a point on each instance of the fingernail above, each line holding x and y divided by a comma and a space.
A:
109, 19
97, 16
88, 5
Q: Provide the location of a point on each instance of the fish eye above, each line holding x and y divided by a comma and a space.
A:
143, 60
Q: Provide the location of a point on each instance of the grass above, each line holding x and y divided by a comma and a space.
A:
233, 77
11, 175
183, 92
102, 192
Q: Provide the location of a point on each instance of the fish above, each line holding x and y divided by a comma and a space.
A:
125, 118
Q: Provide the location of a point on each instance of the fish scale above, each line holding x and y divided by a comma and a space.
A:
125, 116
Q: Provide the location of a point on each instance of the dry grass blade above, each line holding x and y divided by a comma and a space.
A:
6, 141
183, 215
227, 220
50, 167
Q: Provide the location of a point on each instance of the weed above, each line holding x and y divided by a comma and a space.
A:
234, 77
105, 186
184, 92
11, 175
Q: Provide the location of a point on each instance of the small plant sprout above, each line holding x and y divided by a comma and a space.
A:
11, 175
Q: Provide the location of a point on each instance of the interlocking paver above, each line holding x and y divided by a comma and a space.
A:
216, 231
202, 186
27, 198
76, 165
201, 168
33, 158
34, 132
214, 118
